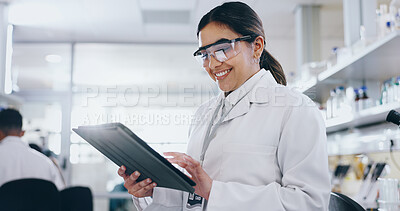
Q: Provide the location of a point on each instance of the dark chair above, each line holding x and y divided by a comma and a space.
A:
76, 199
29, 195
340, 202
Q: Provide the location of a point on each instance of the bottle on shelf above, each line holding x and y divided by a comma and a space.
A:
397, 90
384, 93
332, 60
394, 10
390, 90
384, 22
366, 102
357, 100
331, 105
343, 105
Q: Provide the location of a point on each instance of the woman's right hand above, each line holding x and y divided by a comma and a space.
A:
138, 189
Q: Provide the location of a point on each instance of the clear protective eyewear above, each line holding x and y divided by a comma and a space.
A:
222, 50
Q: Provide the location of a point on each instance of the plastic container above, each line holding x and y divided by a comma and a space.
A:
332, 60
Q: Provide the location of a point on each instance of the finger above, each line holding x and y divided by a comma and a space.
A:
192, 161
131, 180
186, 160
121, 172
146, 189
180, 163
174, 154
140, 185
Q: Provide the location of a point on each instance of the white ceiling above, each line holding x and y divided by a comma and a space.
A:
139, 21
135, 20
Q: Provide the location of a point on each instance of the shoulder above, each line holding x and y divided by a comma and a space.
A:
278, 95
39, 157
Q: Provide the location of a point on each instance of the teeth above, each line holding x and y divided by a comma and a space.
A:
222, 73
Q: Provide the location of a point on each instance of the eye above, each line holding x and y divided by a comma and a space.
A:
224, 49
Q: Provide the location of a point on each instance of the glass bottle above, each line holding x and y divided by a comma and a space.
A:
357, 100
365, 100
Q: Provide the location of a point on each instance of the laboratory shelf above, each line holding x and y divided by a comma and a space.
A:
378, 61
371, 139
10, 100
364, 117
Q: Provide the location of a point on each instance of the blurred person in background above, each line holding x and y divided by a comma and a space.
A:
51, 155
18, 160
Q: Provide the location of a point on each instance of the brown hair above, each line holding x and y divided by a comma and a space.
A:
243, 20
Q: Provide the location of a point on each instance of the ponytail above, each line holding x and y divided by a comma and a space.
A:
268, 62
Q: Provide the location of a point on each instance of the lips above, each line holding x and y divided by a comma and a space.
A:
222, 74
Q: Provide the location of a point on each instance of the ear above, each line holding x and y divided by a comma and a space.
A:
258, 47
22, 133
2, 135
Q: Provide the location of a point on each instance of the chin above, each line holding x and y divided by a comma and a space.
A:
225, 88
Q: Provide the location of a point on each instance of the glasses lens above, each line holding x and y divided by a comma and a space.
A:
221, 52
201, 57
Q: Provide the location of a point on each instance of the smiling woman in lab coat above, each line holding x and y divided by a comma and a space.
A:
256, 146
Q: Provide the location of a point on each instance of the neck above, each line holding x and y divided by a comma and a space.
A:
227, 93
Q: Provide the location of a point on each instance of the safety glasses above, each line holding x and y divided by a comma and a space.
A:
222, 50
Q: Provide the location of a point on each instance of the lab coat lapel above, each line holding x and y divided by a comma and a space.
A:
260, 93
241, 108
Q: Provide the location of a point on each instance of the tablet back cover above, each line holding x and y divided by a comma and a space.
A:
123, 147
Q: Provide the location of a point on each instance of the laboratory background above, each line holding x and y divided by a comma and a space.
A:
68, 63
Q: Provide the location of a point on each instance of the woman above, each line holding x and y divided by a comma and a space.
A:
258, 145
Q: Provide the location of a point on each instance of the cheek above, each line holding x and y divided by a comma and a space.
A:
209, 73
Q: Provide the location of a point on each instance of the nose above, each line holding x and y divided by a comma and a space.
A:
213, 62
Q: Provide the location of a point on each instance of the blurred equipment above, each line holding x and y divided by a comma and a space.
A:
76, 199
374, 176
340, 202
29, 194
338, 176
393, 117
389, 194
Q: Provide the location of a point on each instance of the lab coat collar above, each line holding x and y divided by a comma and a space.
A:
258, 83
256, 86
13, 140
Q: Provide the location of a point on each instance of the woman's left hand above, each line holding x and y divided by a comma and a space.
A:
198, 175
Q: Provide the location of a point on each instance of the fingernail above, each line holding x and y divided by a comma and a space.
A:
133, 178
148, 180
137, 173
154, 184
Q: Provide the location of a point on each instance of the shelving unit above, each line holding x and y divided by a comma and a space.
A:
364, 117
378, 61
10, 100
361, 132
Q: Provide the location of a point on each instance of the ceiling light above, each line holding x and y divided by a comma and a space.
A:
52, 58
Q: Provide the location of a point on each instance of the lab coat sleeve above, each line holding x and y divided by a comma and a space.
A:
303, 161
58, 181
163, 199
55, 174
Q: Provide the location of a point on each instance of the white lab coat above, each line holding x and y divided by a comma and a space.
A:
18, 161
268, 154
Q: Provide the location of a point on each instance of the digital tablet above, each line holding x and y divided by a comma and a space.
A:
123, 147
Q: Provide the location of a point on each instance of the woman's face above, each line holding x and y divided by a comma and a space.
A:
238, 68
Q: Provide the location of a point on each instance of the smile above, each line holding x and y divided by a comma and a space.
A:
221, 74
